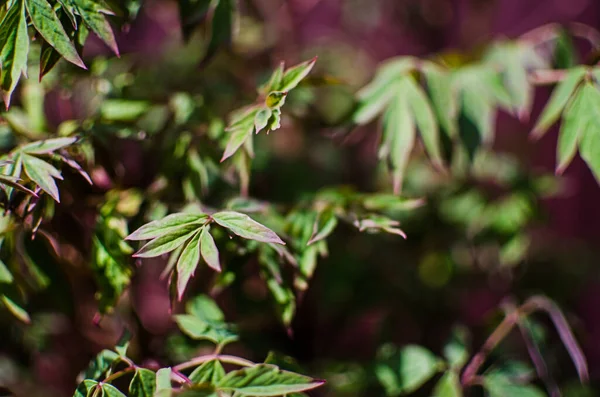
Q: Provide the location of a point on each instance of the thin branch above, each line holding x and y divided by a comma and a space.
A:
546, 76
119, 374
242, 362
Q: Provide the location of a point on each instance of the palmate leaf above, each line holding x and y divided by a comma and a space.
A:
42, 174
85, 388
209, 372
143, 383
245, 227
264, 380
443, 97
187, 263
15, 47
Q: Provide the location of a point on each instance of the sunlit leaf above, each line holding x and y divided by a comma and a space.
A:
167, 225
209, 372
15, 47
187, 263
245, 227
266, 380
47, 146
15, 309
209, 250
93, 16
295, 74
443, 97
167, 242
448, 386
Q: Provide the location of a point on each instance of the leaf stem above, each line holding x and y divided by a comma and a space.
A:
119, 374
242, 362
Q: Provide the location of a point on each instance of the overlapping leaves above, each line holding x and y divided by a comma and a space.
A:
189, 235
59, 38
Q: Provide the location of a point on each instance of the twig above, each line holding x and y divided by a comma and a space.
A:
221, 357
119, 374
546, 76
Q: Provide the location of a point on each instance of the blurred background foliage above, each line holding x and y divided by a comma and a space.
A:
481, 237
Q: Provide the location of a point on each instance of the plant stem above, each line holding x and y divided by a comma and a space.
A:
119, 374
221, 357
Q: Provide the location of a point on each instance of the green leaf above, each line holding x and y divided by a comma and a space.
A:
398, 136
85, 388
275, 120
167, 242
425, 120
5, 275
443, 97
589, 147
42, 174
209, 250
92, 14
15, 309
209, 372
190, 13
455, 351
236, 140
111, 391
163, 383
47, 146
15, 47
167, 225
143, 383
123, 109
448, 386
264, 380
100, 364
205, 321
559, 99
187, 263
275, 99
245, 227
324, 225
46, 22
409, 370
574, 121
372, 105
500, 386
274, 82
221, 26
295, 74
261, 119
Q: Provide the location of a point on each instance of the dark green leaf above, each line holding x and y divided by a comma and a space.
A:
187, 263
143, 383
220, 26
100, 364
209, 250
245, 227
46, 22
85, 388
295, 74
15, 47
92, 14
264, 380
111, 391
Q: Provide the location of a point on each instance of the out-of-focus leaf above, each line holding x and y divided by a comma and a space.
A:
92, 14
123, 109
205, 321
143, 383
46, 22
588, 113
261, 119
221, 26
295, 74
236, 140
266, 380
187, 263
448, 386
15, 47
245, 227
443, 97
5, 275
274, 82
15, 309
275, 99
499, 386
456, 351
100, 364
324, 226
47, 146
163, 383
191, 13
373, 104
209, 372
209, 250
559, 99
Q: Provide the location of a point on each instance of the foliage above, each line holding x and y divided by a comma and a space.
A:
203, 153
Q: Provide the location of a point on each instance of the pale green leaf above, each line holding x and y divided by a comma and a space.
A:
123, 109
42, 174
143, 383
274, 82
264, 380
236, 140
589, 146
559, 99
15, 47
209, 250
448, 386
245, 227
46, 22
166, 225
498, 385
261, 119
100, 364
295, 74
47, 146
167, 242
199, 329
209, 372
187, 263
572, 128
425, 120
443, 97
373, 104
275, 99
324, 225
5, 275
163, 382
409, 370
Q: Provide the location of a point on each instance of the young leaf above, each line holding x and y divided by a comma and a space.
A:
143, 383
46, 22
265, 380
166, 225
261, 119
236, 140
167, 242
15, 309
43, 174
187, 263
574, 122
274, 82
246, 227
295, 74
209, 372
559, 99
15, 47
499, 385
425, 120
448, 386
200, 329
209, 250
324, 225
443, 97
275, 99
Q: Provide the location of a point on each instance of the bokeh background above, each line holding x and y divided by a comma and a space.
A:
370, 290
